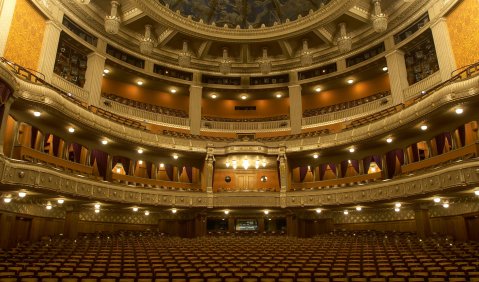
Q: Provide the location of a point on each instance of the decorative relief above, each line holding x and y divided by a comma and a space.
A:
115, 217
33, 209
464, 206
371, 216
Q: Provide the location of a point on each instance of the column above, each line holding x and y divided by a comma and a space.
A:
295, 108
384, 171
109, 167
361, 167
94, 77
397, 75
444, 53
209, 178
406, 155
7, 8
5, 112
341, 64
72, 217
195, 109
49, 50
283, 179
423, 226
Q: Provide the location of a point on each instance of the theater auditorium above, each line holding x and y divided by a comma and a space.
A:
239, 140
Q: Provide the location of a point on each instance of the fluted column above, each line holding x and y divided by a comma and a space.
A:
295, 108
49, 50
6, 15
195, 109
94, 76
444, 52
397, 75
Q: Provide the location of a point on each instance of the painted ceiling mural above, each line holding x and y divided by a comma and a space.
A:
244, 13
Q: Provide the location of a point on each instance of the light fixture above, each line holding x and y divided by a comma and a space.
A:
162, 165
135, 209
266, 212
140, 162
350, 81
256, 164
385, 68
344, 40
49, 206
306, 56
214, 96
349, 161
476, 192
315, 156
379, 19
140, 151
352, 150
173, 91
245, 163
265, 62
373, 169
346, 212
184, 57
459, 111
173, 210
279, 95
112, 21
359, 208
318, 89
437, 200
147, 213
227, 212
175, 156
118, 170
97, 206
107, 71
423, 127
423, 92
263, 163
244, 97
22, 194
225, 62
97, 210
445, 205
147, 42
234, 164
397, 205
7, 200
60, 201
37, 113
318, 210
139, 82
104, 142
71, 129
389, 140
397, 209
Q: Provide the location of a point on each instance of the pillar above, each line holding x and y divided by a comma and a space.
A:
406, 155
397, 75
423, 226
444, 53
283, 179
210, 159
7, 222
109, 167
361, 167
195, 109
384, 169
6, 16
70, 230
5, 112
295, 108
48, 53
94, 77
341, 64
291, 225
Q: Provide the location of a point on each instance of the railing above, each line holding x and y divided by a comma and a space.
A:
468, 151
29, 154
143, 115
162, 184
278, 125
77, 91
418, 88
347, 114
337, 182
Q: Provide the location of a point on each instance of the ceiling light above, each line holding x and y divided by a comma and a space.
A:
97, 206
437, 200
476, 192
445, 205
60, 201
227, 212
97, 210
175, 156
140, 151
243, 97
359, 208
279, 95
22, 194
389, 140
397, 209
71, 129
49, 206
459, 111
346, 212
147, 213
397, 205
266, 212
423, 127
385, 68
139, 82
104, 142
135, 209
173, 91
350, 81
318, 210
106, 71
37, 114
315, 156
317, 89
173, 210
351, 150
7, 200
214, 96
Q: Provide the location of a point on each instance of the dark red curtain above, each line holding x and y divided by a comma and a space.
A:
344, 168
462, 134
33, 137
367, 163
56, 145
333, 168
101, 161
440, 142
149, 165
189, 173
169, 171
377, 160
322, 171
415, 152
77, 152
303, 170
355, 164
391, 163
449, 138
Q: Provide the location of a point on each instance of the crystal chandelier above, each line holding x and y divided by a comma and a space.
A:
184, 58
112, 22
225, 63
265, 62
344, 40
147, 43
380, 20
306, 56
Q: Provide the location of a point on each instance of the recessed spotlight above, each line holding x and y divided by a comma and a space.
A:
173, 91
459, 111
135, 209
385, 68
346, 212
437, 200
106, 71
175, 156
227, 212
397, 205
97, 210
71, 129
423, 127
318, 210
49, 206
359, 208
279, 95
315, 156
318, 89
476, 192
445, 205
37, 113
214, 96
389, 140
350, 81
173, 210
397, 209
140, 151
147, 213
7, 200
139, 82
352, 150
22, 194
244, 97
266, 212
97, 206
60, 201
104, 142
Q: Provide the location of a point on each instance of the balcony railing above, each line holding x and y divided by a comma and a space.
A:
339, 182
69, 87
155, 183
222, 126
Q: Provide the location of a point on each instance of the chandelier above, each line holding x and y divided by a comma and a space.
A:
344, 40
306, 55
184, 58
112, 21
265, 62
147, 43
225, 63
380, 20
